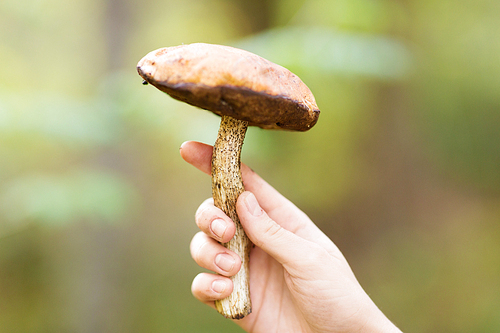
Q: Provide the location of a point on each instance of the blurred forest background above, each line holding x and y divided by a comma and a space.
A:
402, 170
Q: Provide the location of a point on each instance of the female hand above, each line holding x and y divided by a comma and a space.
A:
299, 279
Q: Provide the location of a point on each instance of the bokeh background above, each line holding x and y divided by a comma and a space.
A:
402, 170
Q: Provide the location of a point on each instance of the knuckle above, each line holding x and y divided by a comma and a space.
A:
272, 229
197, 245
197, 286
270, 232
205, 206
206, 213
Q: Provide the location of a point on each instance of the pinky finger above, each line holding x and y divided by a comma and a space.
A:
210, 287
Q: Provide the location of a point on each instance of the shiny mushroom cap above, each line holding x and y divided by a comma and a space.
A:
233, 82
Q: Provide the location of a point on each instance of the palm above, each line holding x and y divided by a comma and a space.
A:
272, 304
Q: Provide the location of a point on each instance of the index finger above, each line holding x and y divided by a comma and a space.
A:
277, 206
200, 156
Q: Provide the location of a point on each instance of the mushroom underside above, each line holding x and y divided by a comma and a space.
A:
259, 109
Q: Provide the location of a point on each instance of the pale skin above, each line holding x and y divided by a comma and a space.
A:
299, 279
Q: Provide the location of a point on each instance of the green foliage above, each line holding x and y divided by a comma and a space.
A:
402, 169
58, 199
322, 50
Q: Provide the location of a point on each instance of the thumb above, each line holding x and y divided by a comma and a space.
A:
281, 244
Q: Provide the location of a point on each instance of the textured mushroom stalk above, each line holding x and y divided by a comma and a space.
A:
226, 188
245, 90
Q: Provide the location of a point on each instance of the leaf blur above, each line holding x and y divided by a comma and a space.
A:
402, 170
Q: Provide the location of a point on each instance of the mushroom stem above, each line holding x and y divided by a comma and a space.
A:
226, 188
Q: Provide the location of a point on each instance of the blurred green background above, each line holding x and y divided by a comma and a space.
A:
402, 170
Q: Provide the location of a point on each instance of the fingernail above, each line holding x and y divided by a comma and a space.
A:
219, 286
225, 262
252, 205
218, 227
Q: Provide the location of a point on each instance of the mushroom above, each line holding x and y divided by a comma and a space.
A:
245, 90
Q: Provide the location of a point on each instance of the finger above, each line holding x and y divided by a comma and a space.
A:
210, 287
266, 233
213, 222
277, 206
200, 156
283, 245
197, 154
211, 255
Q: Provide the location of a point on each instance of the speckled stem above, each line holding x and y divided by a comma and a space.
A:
226, 187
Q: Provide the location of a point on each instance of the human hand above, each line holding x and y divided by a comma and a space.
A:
299, 279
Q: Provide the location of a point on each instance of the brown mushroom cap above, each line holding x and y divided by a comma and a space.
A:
233, 82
